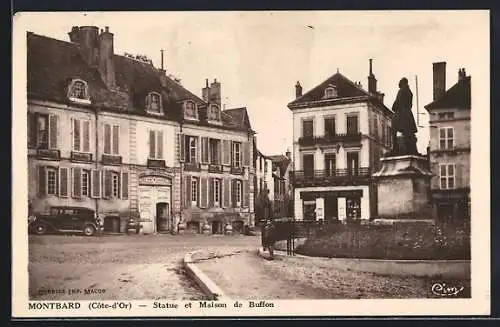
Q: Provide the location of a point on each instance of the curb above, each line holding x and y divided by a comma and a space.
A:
208, 287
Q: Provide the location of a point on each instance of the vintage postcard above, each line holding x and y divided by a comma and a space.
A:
272, 163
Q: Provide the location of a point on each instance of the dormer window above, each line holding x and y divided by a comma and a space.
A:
190, 111
153, 103
330, 92
214, 113
78, 91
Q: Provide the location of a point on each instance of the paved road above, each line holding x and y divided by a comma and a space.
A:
119, 266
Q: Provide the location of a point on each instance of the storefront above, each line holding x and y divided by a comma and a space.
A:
331, 205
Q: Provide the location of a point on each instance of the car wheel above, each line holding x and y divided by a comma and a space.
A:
40, 229
89, 230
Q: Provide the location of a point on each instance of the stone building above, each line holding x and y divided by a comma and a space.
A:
340, 133
263, 175
449, 149
283, 193
105, 132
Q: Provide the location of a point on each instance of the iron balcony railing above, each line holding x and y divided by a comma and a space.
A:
328, 176
328, 139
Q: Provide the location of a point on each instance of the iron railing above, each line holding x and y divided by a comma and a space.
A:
329, 176
329, 139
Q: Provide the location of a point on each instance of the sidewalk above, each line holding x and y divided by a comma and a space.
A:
245, 275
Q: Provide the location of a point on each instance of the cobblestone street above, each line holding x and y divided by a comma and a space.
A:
119, 267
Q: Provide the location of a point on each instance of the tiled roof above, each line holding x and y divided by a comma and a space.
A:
346, 90
458, 96
53, 63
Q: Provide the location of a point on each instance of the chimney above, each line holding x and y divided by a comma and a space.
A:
288, 154
372, 81
298, 90
205, 91
161, 52
439, 78
106, 57
88, 39
215, 93
461, 74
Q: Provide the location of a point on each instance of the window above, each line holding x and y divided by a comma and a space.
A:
446, 138
446, 176
153, 102
214, 151
115, 185
446, 115
111, 139
384, 133
85, 183
236, 154
42, 131
330, 127
81, 135
239, 193
51, 181
307, 128
308, 164
375, 126
213, 112
217, 187
42, 123
78, 91
330, 92
265, 167
352, 124
190, 110
330, 164
192, 149
194, 191
155, 144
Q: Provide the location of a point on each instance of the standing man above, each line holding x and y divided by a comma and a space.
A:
403, 120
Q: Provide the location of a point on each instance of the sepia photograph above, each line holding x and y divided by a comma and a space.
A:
220, 163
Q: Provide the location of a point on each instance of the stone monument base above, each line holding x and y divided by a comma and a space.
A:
403, 189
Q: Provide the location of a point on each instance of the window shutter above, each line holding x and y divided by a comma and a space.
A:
107, 139
188, 192
53, 132
233, 193
245, 154
226, 192
116, 140
86, 136
106, 181
124, 186
226, 152
231, 160
32, 130
210, 192
204, 149
152, 144
42, 186
76, 134
63, 182
203, 192
180, 138
96, 183
245, 189
160, 145
77, 182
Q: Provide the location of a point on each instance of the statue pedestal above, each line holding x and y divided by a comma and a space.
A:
403, 185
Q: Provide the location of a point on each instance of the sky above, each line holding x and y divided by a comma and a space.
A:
259, 56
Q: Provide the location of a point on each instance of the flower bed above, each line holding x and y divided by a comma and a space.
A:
401, 241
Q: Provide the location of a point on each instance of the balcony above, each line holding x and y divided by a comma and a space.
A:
48, 153
338, 177
156, 163
191, 166
108, 159
329, 139
237, 170
213, 168
81, 156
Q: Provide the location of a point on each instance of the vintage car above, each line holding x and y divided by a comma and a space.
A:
65, 219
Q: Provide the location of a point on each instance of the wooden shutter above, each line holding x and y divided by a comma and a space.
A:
226, 192
204, 150
42, 185
245, 154
63, 182
77, 182
159, 145
203, 192
180, 138
231, 159
233, 193
210, 192
96, 183
116, 139
124, 186
226, 152
187, 197
245, 190
107, 184
86, 136
76, 134
53, 132
107, 139
32, 130
152, 144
